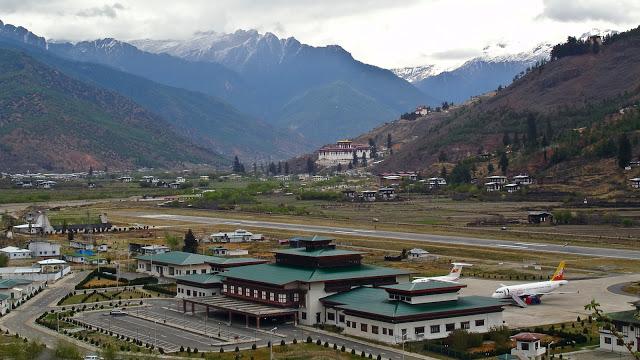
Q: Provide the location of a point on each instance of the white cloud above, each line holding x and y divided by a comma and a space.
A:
387, 33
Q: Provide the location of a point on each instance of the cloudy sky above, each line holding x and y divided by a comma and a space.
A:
387, 33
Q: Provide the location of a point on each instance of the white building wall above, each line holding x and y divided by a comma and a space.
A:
186, 291
171, 271
15, 255
489, 320
44, 249
631, 334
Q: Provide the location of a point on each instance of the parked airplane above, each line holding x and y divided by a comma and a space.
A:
453, 276
530, 293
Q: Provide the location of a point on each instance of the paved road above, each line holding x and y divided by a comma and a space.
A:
22, 319
459, 240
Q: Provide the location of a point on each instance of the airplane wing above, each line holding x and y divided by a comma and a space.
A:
518, 301
557, 293
427, 279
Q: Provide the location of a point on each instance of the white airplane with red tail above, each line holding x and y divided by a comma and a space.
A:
453, 276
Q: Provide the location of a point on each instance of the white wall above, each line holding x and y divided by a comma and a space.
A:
185, 291
177, 270
629, 336
490, 320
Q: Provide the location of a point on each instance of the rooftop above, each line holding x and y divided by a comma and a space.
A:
317, 252
528, 336
627, 317
283, 274
375, 302
312, 238
185, 258
14, 249
201, 278
424, 287
9, 283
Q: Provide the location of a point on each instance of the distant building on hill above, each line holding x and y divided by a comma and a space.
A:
342, 153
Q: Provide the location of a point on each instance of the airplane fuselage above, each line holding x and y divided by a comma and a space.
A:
530, 289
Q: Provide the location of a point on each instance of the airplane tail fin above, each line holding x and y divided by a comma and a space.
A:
559, 274
456, 270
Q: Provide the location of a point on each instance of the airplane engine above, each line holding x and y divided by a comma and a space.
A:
532, 300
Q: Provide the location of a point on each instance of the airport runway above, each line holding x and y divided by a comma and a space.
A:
443, 239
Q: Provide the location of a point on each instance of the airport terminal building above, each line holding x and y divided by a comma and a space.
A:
316, 283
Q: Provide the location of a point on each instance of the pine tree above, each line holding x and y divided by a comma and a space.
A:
363, 161
490, 168
355, 159
374, 149
442, 156
339, 167
237, 166
460, 174
286, 168
504, 163
389, 143
443, 172
255, 169
279, 167
624, 151
549, 131
532, 130
505, 139
90, 170
190, 243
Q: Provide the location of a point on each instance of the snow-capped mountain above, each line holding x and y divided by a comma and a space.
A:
417, 73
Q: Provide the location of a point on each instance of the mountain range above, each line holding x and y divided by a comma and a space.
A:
565, 114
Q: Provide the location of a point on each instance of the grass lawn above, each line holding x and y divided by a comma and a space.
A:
633, 288
90, 297
300, 351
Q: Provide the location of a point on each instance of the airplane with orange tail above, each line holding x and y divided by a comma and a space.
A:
530, 293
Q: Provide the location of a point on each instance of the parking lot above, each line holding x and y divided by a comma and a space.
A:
560, 307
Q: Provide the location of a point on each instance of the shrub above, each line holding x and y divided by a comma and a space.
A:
309, 340
343, 349
318, 342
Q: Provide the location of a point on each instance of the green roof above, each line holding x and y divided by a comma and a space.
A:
185, 258
4, 297
312, 238
376, 301
317, 252
201, 278
628, 317
421, 286
283, 274
9, 283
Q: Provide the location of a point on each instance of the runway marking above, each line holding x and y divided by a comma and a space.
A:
531, 244
510, 246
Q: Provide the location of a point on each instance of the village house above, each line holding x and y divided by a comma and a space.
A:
342, 153
153, 249
14, 253
5, 304
38, 224
493, 186
204, 177
635, 183
540, 217
86, 257
239, 235
512, 188
387, 193
42, 248
369, 195
18, 289
125, 179
222, 251
498, 179
628, 324
523, 179
349, 194
436, 182
43, 270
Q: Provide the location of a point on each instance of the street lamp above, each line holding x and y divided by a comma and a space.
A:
271, 342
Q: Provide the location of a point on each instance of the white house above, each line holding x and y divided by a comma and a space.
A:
523, 179
436, 182
18, 289
125, 179
627, 324
222, 251
635, 183
528, 346
38, 224
177, 263
197, 285
180, 180
497, 179
342, 153
512, 188
154, 249
239, 235
14, 253
41, 248
493, 186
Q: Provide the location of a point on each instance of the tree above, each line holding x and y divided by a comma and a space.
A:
311, 166
339, 167
286, 168
549, 131
363, 161
443, 172
374, 149
190, 243
355, 159
504, 163
272, 168
442, 156
90, 171
255, 169
172, 241
4, 260
604, 321
389, 143
532, 130
490, 168
624, 151
506, 140
279, 167
460, 174
109, 353
70, 235
65, 351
